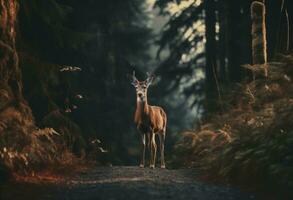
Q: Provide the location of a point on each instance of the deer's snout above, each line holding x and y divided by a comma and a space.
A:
140, 94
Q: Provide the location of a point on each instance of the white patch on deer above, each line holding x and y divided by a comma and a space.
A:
141, 99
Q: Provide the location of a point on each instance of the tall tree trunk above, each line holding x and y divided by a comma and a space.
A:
290, 15
222, 40
259, 40
15, 115
273, 16
238, 31
211, 61
288, 26
10, 73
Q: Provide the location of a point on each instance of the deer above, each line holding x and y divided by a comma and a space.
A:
150, 121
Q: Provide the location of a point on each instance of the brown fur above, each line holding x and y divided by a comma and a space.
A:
150, 120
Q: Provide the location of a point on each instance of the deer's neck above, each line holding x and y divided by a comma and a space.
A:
142, 110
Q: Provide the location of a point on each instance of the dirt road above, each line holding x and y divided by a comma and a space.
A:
131, 183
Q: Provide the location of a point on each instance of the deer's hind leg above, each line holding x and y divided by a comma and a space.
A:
162, 149
153, 150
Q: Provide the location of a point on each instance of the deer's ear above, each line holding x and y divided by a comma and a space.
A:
132, 79
134, 82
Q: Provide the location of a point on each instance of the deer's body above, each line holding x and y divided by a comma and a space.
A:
150, 120
150, 117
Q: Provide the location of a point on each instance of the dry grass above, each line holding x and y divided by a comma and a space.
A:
252, 142
26, 149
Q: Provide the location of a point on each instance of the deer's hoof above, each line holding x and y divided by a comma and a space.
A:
141, 165
163, 166
152, 166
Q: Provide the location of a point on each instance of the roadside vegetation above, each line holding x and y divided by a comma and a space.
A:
249, 142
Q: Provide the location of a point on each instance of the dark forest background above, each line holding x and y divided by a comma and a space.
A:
104, 39
204, 45
223, 74
75, 55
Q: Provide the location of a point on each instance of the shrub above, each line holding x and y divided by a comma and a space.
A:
250, 143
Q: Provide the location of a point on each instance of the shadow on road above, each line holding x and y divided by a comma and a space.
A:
124, 183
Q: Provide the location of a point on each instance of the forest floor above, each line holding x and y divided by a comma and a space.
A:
111, 183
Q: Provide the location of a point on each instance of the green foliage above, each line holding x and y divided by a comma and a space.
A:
182, 37
251, 141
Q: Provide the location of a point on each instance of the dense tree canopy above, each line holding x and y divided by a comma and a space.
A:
206, 42
214, 37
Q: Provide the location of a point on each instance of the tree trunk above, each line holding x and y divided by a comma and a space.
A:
16, 120
290, 18
233, 17
273, 19
211, 61
10, 73
259, 41
222, 41
285, 43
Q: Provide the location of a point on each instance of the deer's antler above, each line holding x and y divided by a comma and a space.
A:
133, 76
134, 79
150, 78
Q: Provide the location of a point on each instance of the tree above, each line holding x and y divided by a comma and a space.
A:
227, 41
16, 120
14, 111
211, 53
183, 38
104, 39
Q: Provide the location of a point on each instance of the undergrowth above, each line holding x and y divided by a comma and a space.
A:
26, 149
251, 141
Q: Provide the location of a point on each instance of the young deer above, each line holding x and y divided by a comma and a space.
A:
150, 120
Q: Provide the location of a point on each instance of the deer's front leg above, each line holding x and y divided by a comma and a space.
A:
143, 144
153, 151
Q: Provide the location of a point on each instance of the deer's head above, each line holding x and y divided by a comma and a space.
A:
142, 86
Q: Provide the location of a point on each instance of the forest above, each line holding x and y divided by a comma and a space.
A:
221, 70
